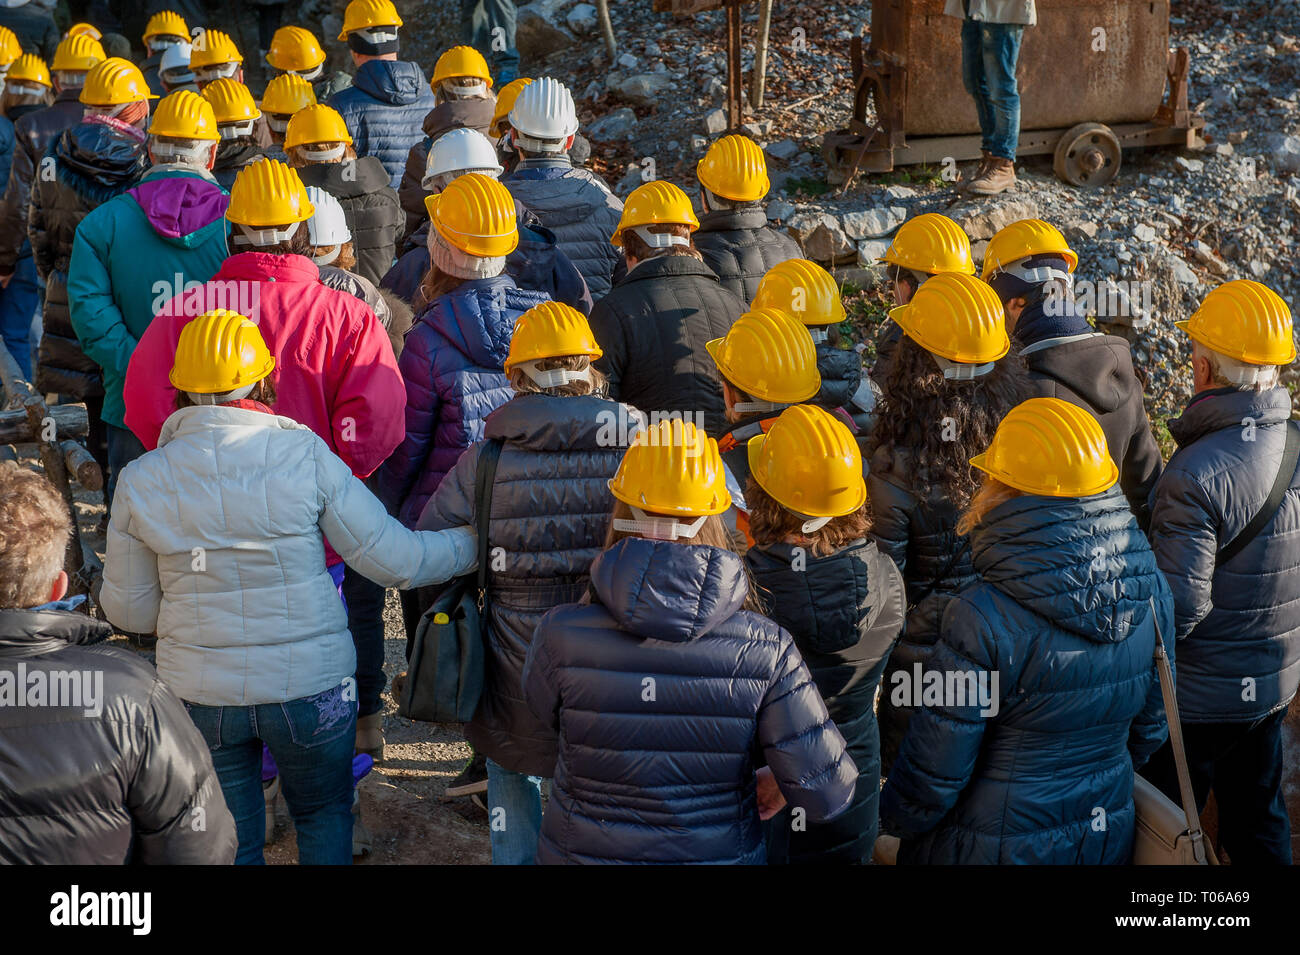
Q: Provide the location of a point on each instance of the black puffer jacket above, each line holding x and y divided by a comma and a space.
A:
455, 114
738, 245
122, 778
370, 207
232, 156
550, 512
34, 26
667, 697
652, 327
93, 162
841, 371
845, 611
915, 523
33, 134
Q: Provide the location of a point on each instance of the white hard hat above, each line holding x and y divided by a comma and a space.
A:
327, 225
460, 151
176, 58
544, 116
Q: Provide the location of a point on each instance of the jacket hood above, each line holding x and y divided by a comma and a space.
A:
1082, 563
663, 265
554, 423
733, 219
268, 267
368, 175
458, 114
472, 319
1226, 408
668, 590
571, 196
1099, 369
202, 419
98, 158
399, 82
179, 204
33, 632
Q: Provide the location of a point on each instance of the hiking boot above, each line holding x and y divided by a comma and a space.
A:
472, 779
370, 736
270, 791
999, 176
982, 168
361, 839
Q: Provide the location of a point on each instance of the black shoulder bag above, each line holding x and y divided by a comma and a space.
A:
1281, 484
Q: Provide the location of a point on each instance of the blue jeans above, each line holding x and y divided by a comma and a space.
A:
478, 21
989, 52
19, 302
123, 448
311, 740
514, 815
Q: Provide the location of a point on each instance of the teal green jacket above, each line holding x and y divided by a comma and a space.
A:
132, 256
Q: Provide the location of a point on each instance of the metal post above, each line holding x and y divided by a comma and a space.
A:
735, 82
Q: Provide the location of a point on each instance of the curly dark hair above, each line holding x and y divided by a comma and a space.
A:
770, 523
941, 422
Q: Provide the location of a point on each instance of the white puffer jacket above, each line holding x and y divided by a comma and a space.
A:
215, 543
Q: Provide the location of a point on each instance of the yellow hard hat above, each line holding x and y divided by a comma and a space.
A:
551, 330
288, 93
768, 355
1051, 447
673, 468
1246, 321
506, 102
655, 203
295, 49
361, 14
186, 115
231, 101
316, 124
931, 243
734, 168
476, 214
218, 352
213, 48
10, 48
809, 463
803, 289
268, 193
1023, 239
957, 317
85, 29
114, 81
29, 68
77, 54
460, 61
166, 23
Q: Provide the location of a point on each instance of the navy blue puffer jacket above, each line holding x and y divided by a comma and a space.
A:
1239, 624
383, 109
452, 362
667, 697
1062, 619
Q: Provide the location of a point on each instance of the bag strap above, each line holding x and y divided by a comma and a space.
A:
485, 477
1281, 484
1199, 849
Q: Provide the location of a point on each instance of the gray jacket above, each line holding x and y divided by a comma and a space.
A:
1238, 624
994, 11
740, 247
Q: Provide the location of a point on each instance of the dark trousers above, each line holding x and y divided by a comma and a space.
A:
123, 448
1242, 763
365, 604
489, 27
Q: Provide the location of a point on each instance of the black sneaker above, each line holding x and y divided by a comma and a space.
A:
472, 779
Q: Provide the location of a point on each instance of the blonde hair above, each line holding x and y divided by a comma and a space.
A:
989, 495
523, 385
34, 532
297, 160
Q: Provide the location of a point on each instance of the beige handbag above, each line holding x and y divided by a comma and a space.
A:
1167, 835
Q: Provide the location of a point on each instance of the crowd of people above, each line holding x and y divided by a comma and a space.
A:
734, 579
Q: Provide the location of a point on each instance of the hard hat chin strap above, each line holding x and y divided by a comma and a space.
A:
819, 335
757, 407
961, 370
524, 141
452, 261
659, 528
235, 130
203, 399
313, 73
191, 155
19, 88
248, 235
448, 90
277, 125
323, 155
159, 43
659, 240
553, 377
329, 257
217, 71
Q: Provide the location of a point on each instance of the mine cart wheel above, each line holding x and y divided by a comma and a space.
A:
1087, 155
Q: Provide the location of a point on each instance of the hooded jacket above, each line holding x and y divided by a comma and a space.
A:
550, 512
915, 523
1239, 623
131, 255
1050, 694
841, 374
232, 156
575, 204
667, 697
452, 364
653, 327
383, 108
261, 620
1095, 372
334, 370
473, 114
369, 206
93, 162
119, 782
845, 611
740, 247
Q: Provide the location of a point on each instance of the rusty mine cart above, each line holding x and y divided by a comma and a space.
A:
1096, 77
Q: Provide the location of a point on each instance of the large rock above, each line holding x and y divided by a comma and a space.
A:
828, 243
805, 222
714, 122
539, 29
986, 219
873, 223
870, 251
1284, 153
780, 210
647, 89
582, 19
615, 125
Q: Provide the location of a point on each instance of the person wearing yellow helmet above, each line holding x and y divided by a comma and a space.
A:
841, 599
1234, 564
10, 50
950, 383
670, 620
252, 663
237, 115
1047, 654
734, 236
1031, 267
32, 24
165, 30
284, 96
295, 50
